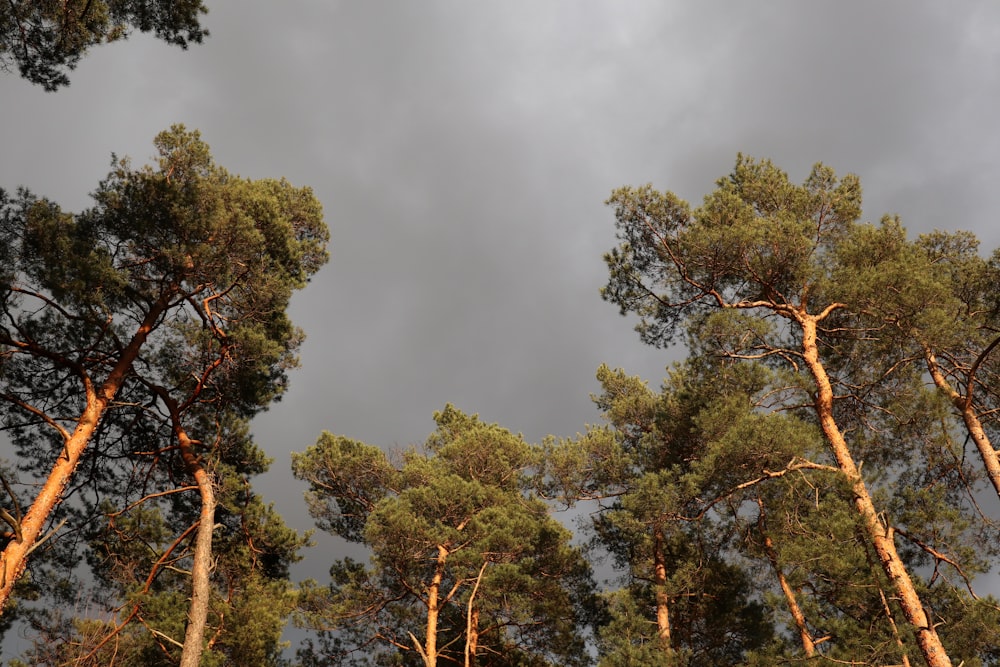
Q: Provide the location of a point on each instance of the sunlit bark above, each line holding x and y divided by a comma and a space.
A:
472, 620
791, 599
429, 652
964, 406
13, 559
662, 599
194, 635
880, 534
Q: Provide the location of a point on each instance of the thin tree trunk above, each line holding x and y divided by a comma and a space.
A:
662, 599
194, 635
434, 609
895, 630
963, 404
13, 559
472, 621
880, 534
808, 644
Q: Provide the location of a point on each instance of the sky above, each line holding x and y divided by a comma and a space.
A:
463, 152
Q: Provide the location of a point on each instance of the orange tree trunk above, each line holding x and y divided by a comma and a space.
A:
808, 644
194, 635
13, 559
434, 609
662, 599
963, 404
880, 534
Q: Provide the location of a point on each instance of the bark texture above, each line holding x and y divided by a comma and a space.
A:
791, 599
429, 651
201, 568
13, 559
963, 404
662, 599
880, 534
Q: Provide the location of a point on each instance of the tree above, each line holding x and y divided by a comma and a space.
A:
138, 604
769, 271
721, 505
46, 39
669, 470
467, 565
943, 313
151, 326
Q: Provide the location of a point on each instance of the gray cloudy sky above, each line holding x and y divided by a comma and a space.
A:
463, 150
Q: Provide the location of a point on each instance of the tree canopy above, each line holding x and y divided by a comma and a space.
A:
785, 277
46, 39
467, 565
138, 338
812, 483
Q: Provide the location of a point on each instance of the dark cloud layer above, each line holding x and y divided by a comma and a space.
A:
463, 152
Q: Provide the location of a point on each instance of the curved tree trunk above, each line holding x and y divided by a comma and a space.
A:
201, 567
880, 534
13, 559
963, 404
194, 635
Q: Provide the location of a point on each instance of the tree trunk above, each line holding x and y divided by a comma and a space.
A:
808, 644
194, 635
662, 599
880, 534
13, 559
472, 638
472, 621
434, 609
963, 404
895, 630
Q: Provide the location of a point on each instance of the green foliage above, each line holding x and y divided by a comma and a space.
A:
47, 38
626, 640
741, 277
459, 509
756, 237
217, 256
690, 448
142, 588
347, 478
193, 268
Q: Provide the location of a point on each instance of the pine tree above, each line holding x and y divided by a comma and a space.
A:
765, 271
467, 565
46, 39
137, 338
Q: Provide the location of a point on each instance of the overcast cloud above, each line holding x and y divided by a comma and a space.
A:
463, 150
